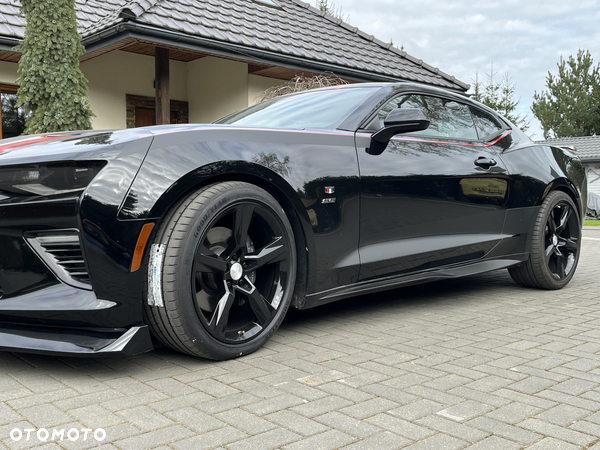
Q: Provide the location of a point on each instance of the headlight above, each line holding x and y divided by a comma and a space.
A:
49, 179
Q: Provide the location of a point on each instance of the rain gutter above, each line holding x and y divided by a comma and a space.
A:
7, 43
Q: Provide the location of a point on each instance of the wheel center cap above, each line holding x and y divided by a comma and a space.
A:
236, 271
554, 240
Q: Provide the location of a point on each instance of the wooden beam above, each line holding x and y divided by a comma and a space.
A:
161, 80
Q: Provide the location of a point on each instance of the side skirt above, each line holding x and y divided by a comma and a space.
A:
383, 284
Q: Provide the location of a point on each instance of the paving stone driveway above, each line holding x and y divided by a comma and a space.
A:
474, 363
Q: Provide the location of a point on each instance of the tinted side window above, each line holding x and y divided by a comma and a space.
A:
486, 123
448, 118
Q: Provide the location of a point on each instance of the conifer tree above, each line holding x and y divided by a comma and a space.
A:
500, 96
52, 88
571, 105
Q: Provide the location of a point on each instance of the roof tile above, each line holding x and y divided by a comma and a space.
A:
588, 147
297, 29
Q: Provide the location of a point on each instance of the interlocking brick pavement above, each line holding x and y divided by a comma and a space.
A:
477, 363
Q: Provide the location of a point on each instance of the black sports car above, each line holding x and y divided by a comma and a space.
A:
204, 235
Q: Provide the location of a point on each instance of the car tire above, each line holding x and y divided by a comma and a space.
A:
555, 245
221, 272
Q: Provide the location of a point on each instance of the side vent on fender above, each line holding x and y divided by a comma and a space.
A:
61, 251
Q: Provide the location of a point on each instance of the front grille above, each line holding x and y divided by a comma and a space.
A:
61, 251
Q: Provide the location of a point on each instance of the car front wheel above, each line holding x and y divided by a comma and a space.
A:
221, 272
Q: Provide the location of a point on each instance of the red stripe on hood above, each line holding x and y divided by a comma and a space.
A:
29, 141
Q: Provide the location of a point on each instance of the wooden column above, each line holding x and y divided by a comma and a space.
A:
161, 80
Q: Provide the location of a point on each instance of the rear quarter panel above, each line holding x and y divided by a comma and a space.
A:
535, 171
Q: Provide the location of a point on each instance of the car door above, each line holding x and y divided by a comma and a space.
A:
434, 197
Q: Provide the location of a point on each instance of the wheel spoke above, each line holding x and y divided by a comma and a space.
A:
273, 252
261, 307
242, 216
264, 311
220, 317
204, 262
548, 252
551, 223
564, 219
560, 265
570, 244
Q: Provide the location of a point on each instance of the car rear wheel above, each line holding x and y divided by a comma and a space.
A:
555, 245
226, 275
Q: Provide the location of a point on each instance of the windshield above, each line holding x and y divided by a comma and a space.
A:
316, 109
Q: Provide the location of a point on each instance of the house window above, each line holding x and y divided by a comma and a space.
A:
12, 115
140, 111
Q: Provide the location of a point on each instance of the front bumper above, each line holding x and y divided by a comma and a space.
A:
59, 342
66, 287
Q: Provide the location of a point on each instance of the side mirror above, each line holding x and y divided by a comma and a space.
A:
399, 120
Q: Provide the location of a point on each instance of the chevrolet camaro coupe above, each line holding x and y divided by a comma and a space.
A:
202, 236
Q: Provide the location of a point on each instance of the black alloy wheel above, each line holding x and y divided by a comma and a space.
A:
561, 238
239, 280
228, 273
555, 245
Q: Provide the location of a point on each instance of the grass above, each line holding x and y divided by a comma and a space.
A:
592, 222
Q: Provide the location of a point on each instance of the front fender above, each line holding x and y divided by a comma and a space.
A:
292, 165
163, 193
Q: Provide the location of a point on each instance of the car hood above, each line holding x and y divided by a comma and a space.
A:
71, 145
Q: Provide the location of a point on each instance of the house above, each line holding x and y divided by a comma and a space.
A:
203, 59
588, 150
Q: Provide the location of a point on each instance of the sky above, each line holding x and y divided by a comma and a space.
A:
524, 38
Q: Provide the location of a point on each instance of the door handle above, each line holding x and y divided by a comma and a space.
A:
484, 162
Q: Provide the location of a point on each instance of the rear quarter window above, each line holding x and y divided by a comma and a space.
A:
485, 123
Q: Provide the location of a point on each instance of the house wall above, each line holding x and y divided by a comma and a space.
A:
257, 85
216, 87
213, 87
115, 74
8, 72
